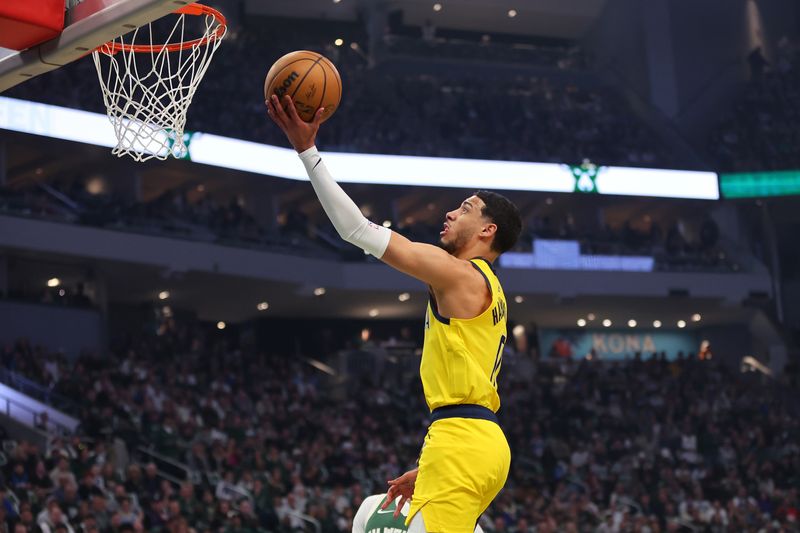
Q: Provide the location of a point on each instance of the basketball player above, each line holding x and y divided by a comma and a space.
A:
465, 457
372, 517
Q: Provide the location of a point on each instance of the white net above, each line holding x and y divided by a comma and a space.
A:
147, 88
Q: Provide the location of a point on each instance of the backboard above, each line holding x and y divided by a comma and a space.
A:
88, 24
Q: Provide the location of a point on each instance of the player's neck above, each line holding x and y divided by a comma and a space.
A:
478, 250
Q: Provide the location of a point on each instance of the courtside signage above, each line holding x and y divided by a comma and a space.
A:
614, 345
94, 128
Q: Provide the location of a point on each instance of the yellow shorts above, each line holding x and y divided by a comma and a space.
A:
463, 465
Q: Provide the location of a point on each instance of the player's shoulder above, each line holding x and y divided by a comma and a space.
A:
372, 502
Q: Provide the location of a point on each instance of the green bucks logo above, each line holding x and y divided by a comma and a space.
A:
180, 150
585, 176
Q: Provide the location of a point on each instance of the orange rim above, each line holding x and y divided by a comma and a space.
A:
113, 47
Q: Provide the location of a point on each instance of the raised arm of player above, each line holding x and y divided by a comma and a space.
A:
427, 263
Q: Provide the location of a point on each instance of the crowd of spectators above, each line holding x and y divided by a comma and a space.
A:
760, 132
205, 217
645, 445
683, 243
488, 115
482, 47
192, 213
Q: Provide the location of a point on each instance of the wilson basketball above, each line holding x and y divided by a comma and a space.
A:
310, 79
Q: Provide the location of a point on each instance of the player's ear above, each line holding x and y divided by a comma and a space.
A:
489, 230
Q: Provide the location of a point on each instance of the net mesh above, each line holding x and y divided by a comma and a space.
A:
147, 88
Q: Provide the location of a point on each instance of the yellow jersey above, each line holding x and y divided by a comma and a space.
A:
461, 358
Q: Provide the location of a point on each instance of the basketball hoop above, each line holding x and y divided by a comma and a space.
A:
147, 88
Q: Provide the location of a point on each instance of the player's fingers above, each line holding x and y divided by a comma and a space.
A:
279, 111
386, 503
272, 114
318, 117
400, 505
291, 109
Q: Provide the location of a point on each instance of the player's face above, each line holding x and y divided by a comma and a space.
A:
462, 224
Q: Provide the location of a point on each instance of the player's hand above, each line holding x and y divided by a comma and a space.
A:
302, 135
403, 487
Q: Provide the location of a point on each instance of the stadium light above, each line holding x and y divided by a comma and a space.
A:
696, 317
319, 291
591, 316
581, 322
374, 312
53, 282
262, 306
656, 324
631, 323
221, 325
437, 7
339, 42
512, 13
681, 324
404, 297
519, 299
163, 295
387, 223
606, 323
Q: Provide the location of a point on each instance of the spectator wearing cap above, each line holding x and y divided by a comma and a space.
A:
156, 516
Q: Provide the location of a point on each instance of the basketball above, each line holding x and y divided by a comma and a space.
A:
310, 79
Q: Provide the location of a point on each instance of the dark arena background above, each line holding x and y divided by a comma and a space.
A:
188, 345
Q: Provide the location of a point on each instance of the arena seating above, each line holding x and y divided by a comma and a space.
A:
519, 116
597, 446
760, 132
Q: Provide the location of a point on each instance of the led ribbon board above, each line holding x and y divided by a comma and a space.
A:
93, 128
760, 184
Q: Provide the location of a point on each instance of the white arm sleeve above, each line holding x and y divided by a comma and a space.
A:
351, 225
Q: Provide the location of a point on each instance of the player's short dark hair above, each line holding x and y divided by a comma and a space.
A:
505, 215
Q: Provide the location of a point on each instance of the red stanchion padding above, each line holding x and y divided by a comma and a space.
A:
26, 23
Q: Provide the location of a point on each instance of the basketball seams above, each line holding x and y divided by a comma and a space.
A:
300, 83
284, 67
337, 77
324, 88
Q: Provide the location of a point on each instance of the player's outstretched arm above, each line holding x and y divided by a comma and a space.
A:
427, 263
